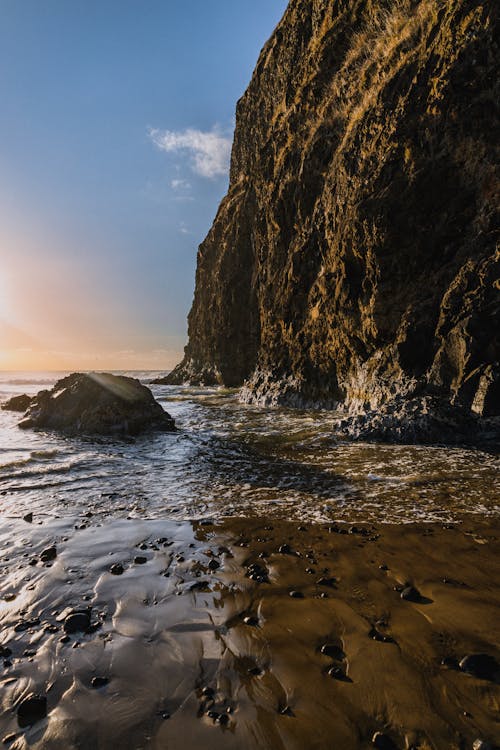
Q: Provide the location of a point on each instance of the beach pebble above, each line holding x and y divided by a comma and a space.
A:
336, 672
483, 666
116, 569
286, 711
77, 622
31, 709
482, 745
28, 518
285, 549
383, 741
98, 682
296, 594
223, 719
213, 564
251, 620
326, 582
139, 560
332, 650
410, 594
48, 554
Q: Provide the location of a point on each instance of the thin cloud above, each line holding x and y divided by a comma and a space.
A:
180, 185
210, 151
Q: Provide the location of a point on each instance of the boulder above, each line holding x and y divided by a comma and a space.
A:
17, 403
97, 403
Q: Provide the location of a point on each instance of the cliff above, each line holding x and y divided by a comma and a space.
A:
353, 259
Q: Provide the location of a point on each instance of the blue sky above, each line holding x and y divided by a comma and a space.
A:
115, 126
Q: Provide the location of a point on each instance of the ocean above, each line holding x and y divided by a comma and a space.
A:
233, 459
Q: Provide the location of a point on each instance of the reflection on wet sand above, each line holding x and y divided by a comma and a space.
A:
248, 633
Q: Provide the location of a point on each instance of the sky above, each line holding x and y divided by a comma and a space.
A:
116, 122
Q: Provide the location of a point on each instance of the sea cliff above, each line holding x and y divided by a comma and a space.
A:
353, 261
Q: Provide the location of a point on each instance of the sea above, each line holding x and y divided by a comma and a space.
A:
232, 459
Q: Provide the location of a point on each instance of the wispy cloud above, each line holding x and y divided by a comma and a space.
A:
210, 151
180, 185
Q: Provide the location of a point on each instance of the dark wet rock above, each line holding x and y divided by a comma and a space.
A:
450, 662
48, 554
202, 586
97, 403
214, 564
213, 714
257, 573
23, 625
383, 567
140, 560
28, 518
285, 549
255, 671
32, 709
64, 639
17, 403
77, 622
5, 651
116, 569
286, 711
411, 594
383, 741
99, 682
326, 581
208, 692
336, 672
332, 651
251, 620
376, 635
296, 594
483, 666
482, 745
223, 719
9, 738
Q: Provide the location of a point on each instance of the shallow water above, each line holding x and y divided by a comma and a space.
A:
229, 458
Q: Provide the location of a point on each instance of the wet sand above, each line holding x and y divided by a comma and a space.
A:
194, 653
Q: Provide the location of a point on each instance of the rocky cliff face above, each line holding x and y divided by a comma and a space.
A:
353, 259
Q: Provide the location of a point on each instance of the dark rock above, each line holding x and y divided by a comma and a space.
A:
383, 742
139, 560
449, 662
336, 672
32, 709
77, 622
213, 564
28, 518
483, 666
48, 554
97, 403
324, 581
223, 719
482, 745
251, 620
286, 711
17, 403
332, 650
285, 549
410, 594
9, 738
98, 682
296, 594
116, 569
23, 625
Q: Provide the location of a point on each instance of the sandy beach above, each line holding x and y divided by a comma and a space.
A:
248, 634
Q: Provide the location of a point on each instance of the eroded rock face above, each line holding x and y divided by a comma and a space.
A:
97, 403
353, 259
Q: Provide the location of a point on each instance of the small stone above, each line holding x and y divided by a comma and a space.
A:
410, 594
77, 622
326, 582
285, 549
213, 715
251, 620
9, 738
99, 682
286, 711
28, 518
64, 639
223, 719
383, 741
116, 569
207, 692
48, 554
383, 567
255, 671
296, 594
449, 662
31, 709
483, 666
213, 564
140, 560
333, 651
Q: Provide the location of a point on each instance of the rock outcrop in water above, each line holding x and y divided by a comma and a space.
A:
17, 403
353, 260
97, 403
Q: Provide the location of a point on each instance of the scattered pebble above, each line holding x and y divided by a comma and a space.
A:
98, 682
251, 620
77, 622
383, 741
28, 518
32, 709
483, 666
139, 560
48, 554
296, 594
411, 594
116, 569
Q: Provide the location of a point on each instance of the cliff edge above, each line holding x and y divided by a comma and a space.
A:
353, 260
